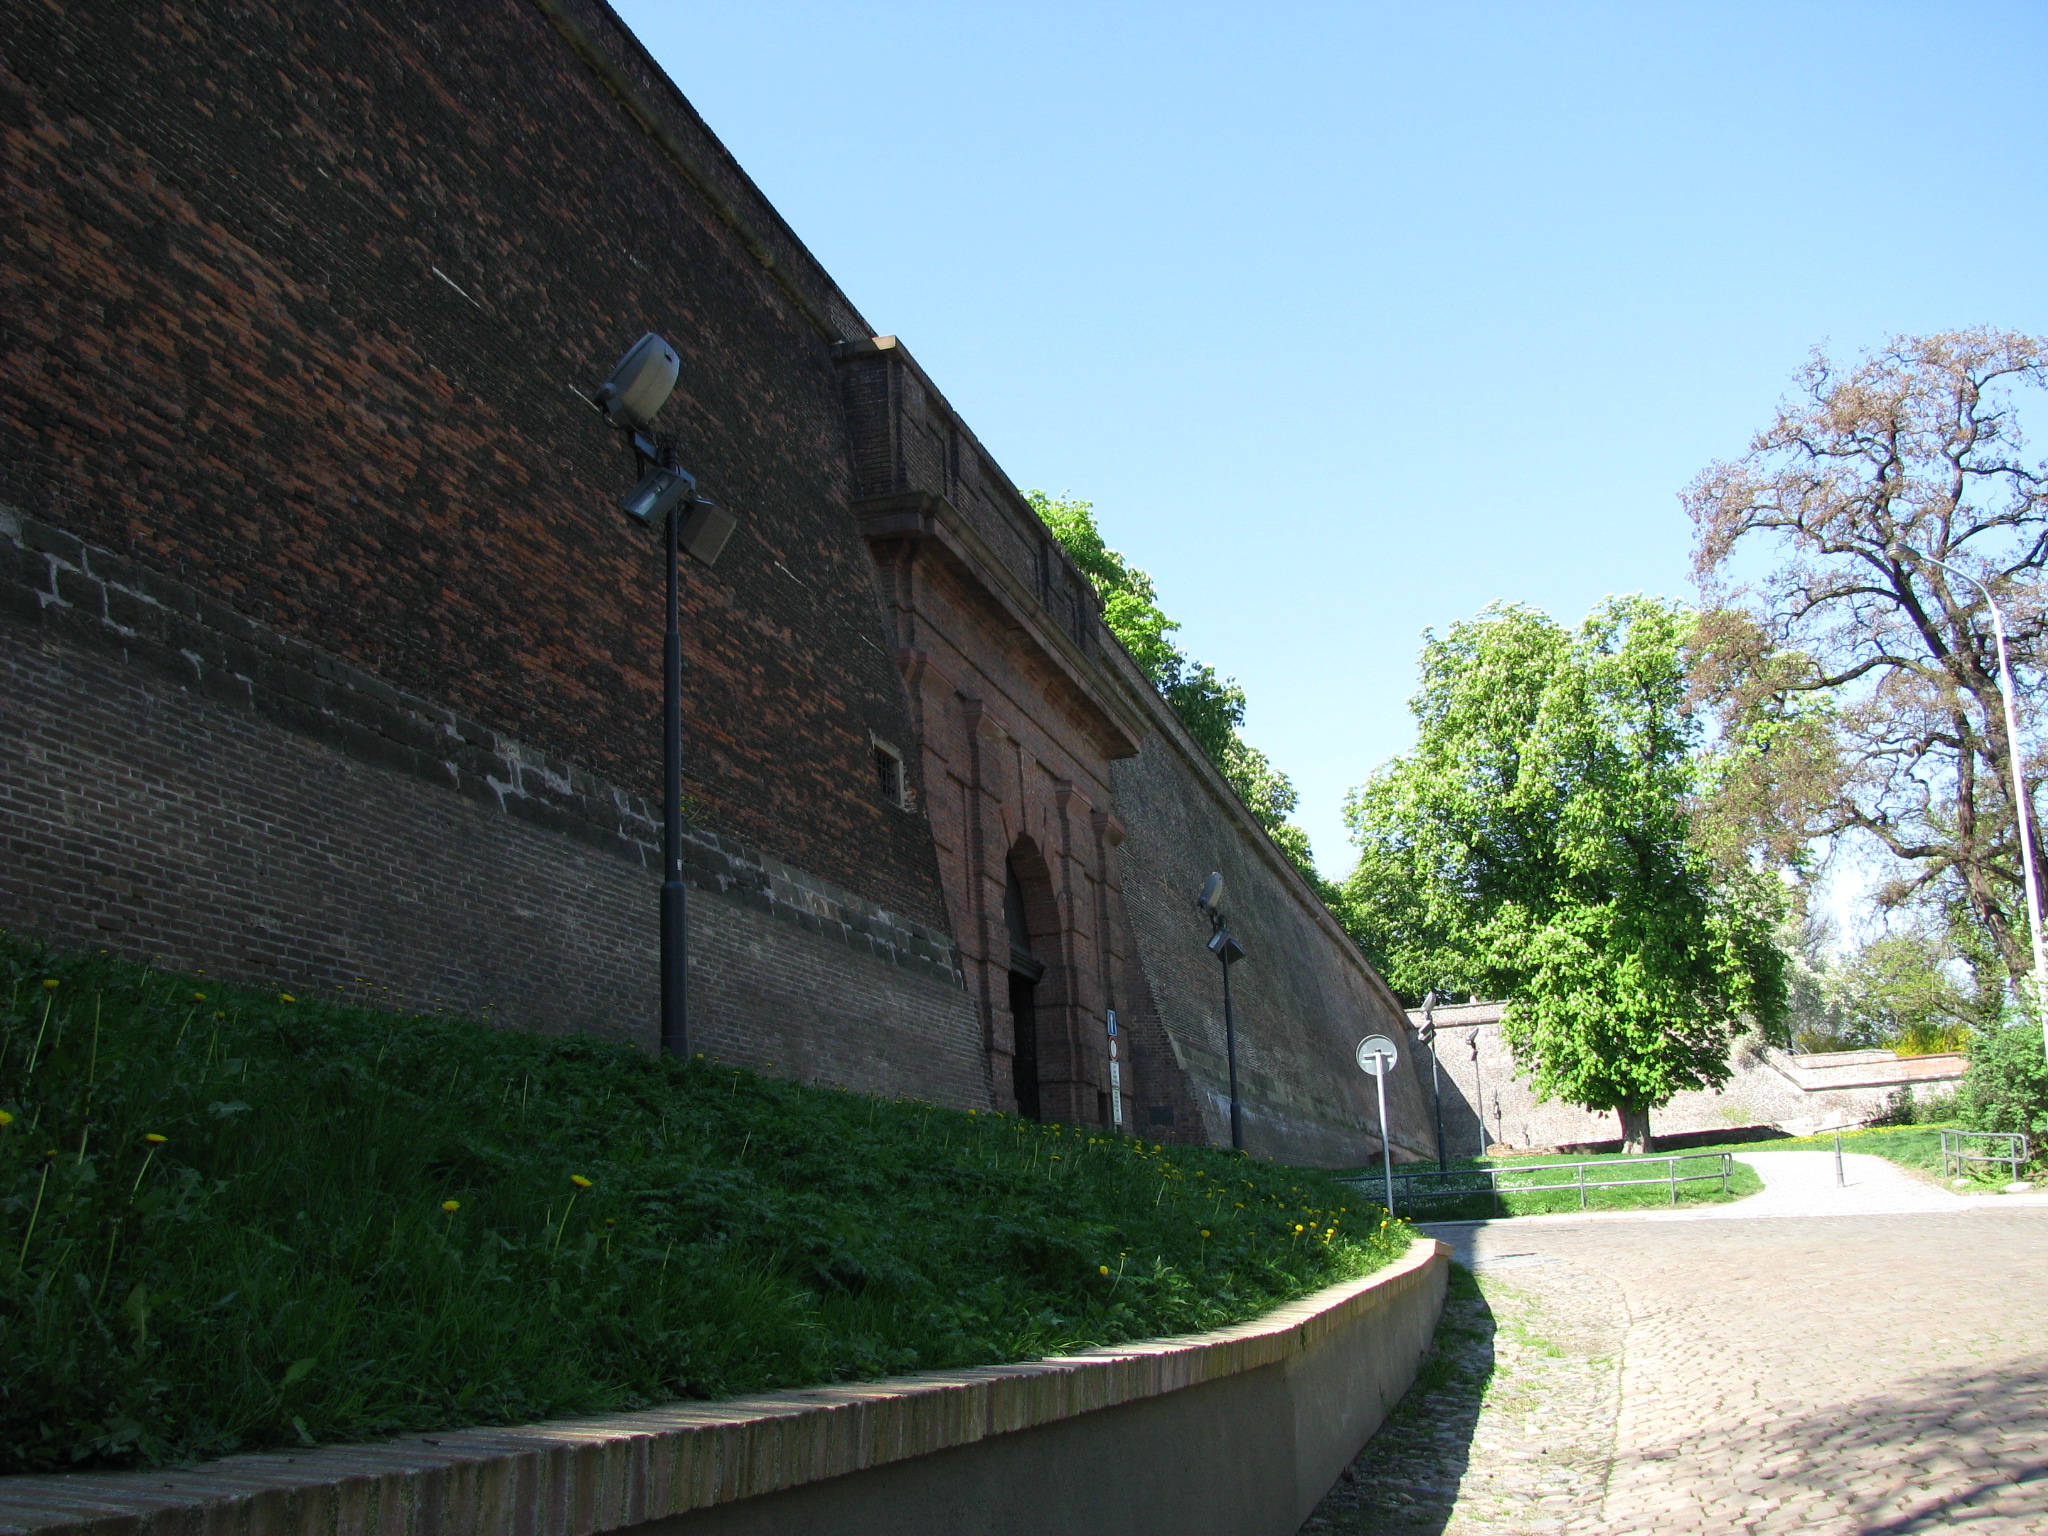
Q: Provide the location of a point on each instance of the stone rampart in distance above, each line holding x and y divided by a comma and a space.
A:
1801, 1095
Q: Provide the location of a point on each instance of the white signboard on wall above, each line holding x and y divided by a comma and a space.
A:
1116, 1076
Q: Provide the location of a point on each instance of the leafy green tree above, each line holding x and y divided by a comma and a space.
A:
2006, 1085
1538, 845
1897, 993
1212, 708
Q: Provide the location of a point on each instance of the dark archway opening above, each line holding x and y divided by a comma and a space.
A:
1026, 971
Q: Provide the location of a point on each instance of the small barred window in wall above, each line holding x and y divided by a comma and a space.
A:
889, 775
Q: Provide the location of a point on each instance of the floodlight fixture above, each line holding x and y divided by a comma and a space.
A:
657, 494
1224, 947
706, 527
640, 384
1212, 892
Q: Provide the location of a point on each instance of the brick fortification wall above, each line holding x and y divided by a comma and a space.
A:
325, 653
325, 661
181, 786
1052, 745
1302, 997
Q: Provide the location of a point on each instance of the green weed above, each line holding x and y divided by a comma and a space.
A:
236, 1220
1610, 1185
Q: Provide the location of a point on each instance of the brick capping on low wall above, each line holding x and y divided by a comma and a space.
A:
579, 1477
87, 595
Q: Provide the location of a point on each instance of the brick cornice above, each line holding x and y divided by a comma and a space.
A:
931, 525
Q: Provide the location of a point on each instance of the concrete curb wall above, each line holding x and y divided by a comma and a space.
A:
1237, 1432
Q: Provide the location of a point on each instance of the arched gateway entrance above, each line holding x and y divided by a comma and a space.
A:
1028, 977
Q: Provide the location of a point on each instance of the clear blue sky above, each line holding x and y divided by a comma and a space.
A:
1351, 319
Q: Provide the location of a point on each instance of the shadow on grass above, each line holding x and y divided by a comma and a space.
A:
1406, 1480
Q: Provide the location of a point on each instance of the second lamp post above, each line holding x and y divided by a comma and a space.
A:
1226, 949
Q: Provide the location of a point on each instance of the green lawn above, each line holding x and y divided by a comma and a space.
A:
1917, 1147
237, 1219
1609, 1186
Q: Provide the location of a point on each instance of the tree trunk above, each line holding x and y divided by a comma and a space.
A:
1635, 1131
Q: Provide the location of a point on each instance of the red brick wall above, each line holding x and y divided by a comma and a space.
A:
179, 784
293, 303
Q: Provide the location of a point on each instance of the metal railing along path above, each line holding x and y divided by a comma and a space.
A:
1418, 1186
1955, 1151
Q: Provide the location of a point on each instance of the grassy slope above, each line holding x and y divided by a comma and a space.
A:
282, 1266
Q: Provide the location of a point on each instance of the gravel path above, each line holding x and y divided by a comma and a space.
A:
1871, 1370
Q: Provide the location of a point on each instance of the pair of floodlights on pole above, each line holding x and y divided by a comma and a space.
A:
2022, 805
666, 495
1226, 949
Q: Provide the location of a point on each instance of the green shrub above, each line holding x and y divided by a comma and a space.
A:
236, 1220
2005, 1087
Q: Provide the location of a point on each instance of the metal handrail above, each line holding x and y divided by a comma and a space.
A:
1954, 1155
1488, 1181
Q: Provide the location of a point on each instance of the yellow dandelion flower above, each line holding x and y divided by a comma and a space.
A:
1205, 1231
611, 1221
198, 997
579, 1181
6, 1118
51, 983
286, 997
1298, 1227
451, 1205
1102, 1269
153, 1139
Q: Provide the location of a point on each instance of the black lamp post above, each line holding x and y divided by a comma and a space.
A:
1226, 949
1436, 1086
638, 387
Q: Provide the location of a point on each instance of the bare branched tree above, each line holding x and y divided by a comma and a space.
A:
1862, 673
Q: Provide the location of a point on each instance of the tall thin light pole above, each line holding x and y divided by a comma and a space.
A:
1436, 1086
1230, 1050
629, 399
2022, 805
675, 931
1226, 949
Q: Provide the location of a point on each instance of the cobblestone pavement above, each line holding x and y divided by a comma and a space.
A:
1868, 1374
1512, 1426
